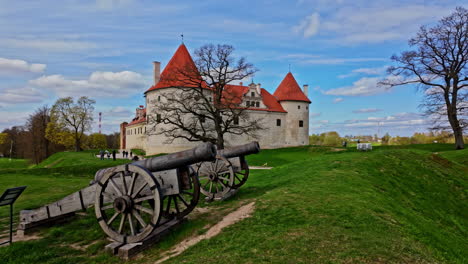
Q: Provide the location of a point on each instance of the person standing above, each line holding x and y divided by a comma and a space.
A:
113, 154
131, 154
101, 153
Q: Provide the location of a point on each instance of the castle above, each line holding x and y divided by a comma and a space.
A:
284, 115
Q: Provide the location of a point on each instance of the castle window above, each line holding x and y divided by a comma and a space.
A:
298, 107
159, 98
301, 123
307, 108
278, 122
247, 103
257, 104
145, 129
158, 118
236, 120
135, 131
209, 99
252, 94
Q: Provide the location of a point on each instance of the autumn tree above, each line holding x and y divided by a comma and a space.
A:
70, 118
204, 108
438, 65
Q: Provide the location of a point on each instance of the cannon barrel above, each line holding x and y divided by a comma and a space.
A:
203, 152
241, 150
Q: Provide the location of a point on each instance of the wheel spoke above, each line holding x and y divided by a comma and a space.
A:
211, 185
224, 186
168, 206
182, 199
216, 186
144, 209
113, 218
114, 186
122, 222
175, 204
132, 183
235, 175
208, 182
139, 218
124, 184
139, 190
142, 199
130, 220
224, 178
107, 207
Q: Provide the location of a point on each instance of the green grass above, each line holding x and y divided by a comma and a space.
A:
6, 163
138, 152
395, 204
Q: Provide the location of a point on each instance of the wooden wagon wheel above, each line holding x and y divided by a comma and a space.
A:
128, 203
242, 174
179, 205
216, 177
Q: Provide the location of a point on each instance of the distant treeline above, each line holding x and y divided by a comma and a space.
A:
334, 139
31, 140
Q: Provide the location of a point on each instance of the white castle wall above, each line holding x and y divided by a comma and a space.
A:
136, 137
272, 136
297, 111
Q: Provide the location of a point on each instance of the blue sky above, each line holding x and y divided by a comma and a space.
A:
104, 49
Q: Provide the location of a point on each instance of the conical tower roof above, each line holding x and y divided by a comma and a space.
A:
180, 71
289, 90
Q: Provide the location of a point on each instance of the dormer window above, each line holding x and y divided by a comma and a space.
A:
252, 94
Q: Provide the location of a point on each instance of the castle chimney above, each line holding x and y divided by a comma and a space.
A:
306, 89
258, 88
156, 71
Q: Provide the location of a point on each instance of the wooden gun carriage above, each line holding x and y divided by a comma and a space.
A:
136, 202
132, 200
220, 178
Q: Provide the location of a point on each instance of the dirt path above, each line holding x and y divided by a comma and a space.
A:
230, 219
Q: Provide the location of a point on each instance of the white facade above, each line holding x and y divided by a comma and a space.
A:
284, 115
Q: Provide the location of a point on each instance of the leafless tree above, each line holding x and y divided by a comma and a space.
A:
438, 64
75, 117
203, 108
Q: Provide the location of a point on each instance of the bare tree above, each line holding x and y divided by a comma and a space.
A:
204, 108
439, 66
76, 117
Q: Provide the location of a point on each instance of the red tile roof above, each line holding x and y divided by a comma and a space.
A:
136, 121
180, 71
289, 90
236, 93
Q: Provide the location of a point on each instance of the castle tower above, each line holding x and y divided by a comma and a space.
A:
296, 103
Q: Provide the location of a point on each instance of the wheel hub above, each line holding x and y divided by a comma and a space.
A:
123, 204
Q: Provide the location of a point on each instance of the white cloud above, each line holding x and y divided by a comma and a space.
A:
309, 26
381, 21
99, 84
312, 115
365, 71
21, 96
47, 44
367, 110
337, 100
363, 87
397, 120
19, 66
335, 61
118, 111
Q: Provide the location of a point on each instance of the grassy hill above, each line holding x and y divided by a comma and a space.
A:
405, 204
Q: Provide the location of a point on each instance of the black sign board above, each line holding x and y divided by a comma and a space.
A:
8, 198
10, 195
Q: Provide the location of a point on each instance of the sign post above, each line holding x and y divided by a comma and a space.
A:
8, 198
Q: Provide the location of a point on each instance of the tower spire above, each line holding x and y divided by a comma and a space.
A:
182, 37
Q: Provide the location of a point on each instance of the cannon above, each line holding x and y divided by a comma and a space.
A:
227, 172
131, 201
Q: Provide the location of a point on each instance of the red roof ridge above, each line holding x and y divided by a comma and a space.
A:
173, 74
289, 90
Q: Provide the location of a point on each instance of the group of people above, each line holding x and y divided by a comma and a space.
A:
104, 153
125, 154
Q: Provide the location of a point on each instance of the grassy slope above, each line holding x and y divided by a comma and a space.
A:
6, 163
317, 205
